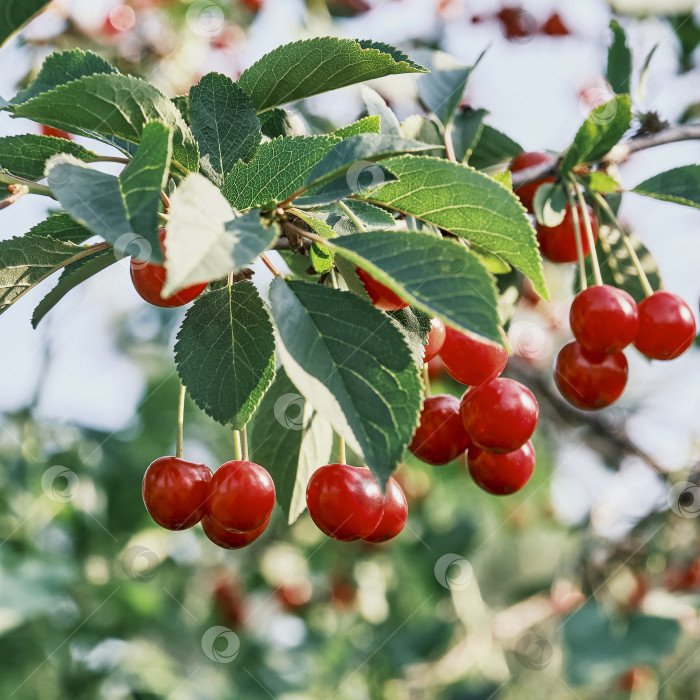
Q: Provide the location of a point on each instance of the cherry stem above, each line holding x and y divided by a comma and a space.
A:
109, 159
426, 379
583, 281
32, 187
16, 192
352, 217
589, 234
269, 265
180, 421
341, 450
449, 146
643, 279
237, 449
244, 442
165, 199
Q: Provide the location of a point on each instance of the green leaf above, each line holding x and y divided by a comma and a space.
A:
415, 326
225, 353
25, 155
602, 182
142, 181
441, 90
426, 131
680, 185
123, 210
281, 122
279, 168
376, 106
603, 128
493, 148
366, 125
206, 239
466, 203
114, 105
27, 260
440, 277
61, 227
598, 649
550, 204
291, 440
321, 256
619, 71
225, 124
182, 102
71, 277
62, 67
616, 266
467, 129
368, 215
352, 366
305, 68
16, 13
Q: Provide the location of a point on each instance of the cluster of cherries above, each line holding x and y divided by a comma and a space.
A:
495, 418
591, 371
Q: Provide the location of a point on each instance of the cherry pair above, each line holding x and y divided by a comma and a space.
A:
234, 504
347, 504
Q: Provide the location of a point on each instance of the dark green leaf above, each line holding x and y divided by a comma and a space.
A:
305, 68
16, 13
619, 71
114, 105
492, 148
415, 326
225, 124
550, 204
680, 185
62, 67
27, 260
206, 239
438, 276
182, 102
352, 365
225, 353
467, 203
599, 649
366, 125
426, 131
279, 168
467, 129
62, 227
376, 106
602, 182
291, 440
25, 155
603, 129
281, 122
71, 277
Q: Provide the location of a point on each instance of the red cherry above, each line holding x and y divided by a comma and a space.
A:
436, 339
554, 26
526, 193
241, 496
227, 539
471, 361
149, 278
501, 474
345, 502
440, 437
57, 133
604, 319
394, 514
587, 380
253, 5
666, 326
175, 492
499, 416
382, 297
516, 23
558, 243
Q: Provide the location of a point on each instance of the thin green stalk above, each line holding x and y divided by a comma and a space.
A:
589, 233
341, 450
237, 448
32, 187
426, 379
583, 281
352, 217
244, 442
180, 421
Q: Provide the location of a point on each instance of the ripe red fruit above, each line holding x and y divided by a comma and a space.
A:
440, 436
501, 474
666, 326
604, 319
149, 278
554, 26
241, 496
175, 492
227, 539
58, 133
471, 361
436, 339
516, 23
394, 514
587, 380
499, 416
382, 297
526, 193
345, 502
558, 243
